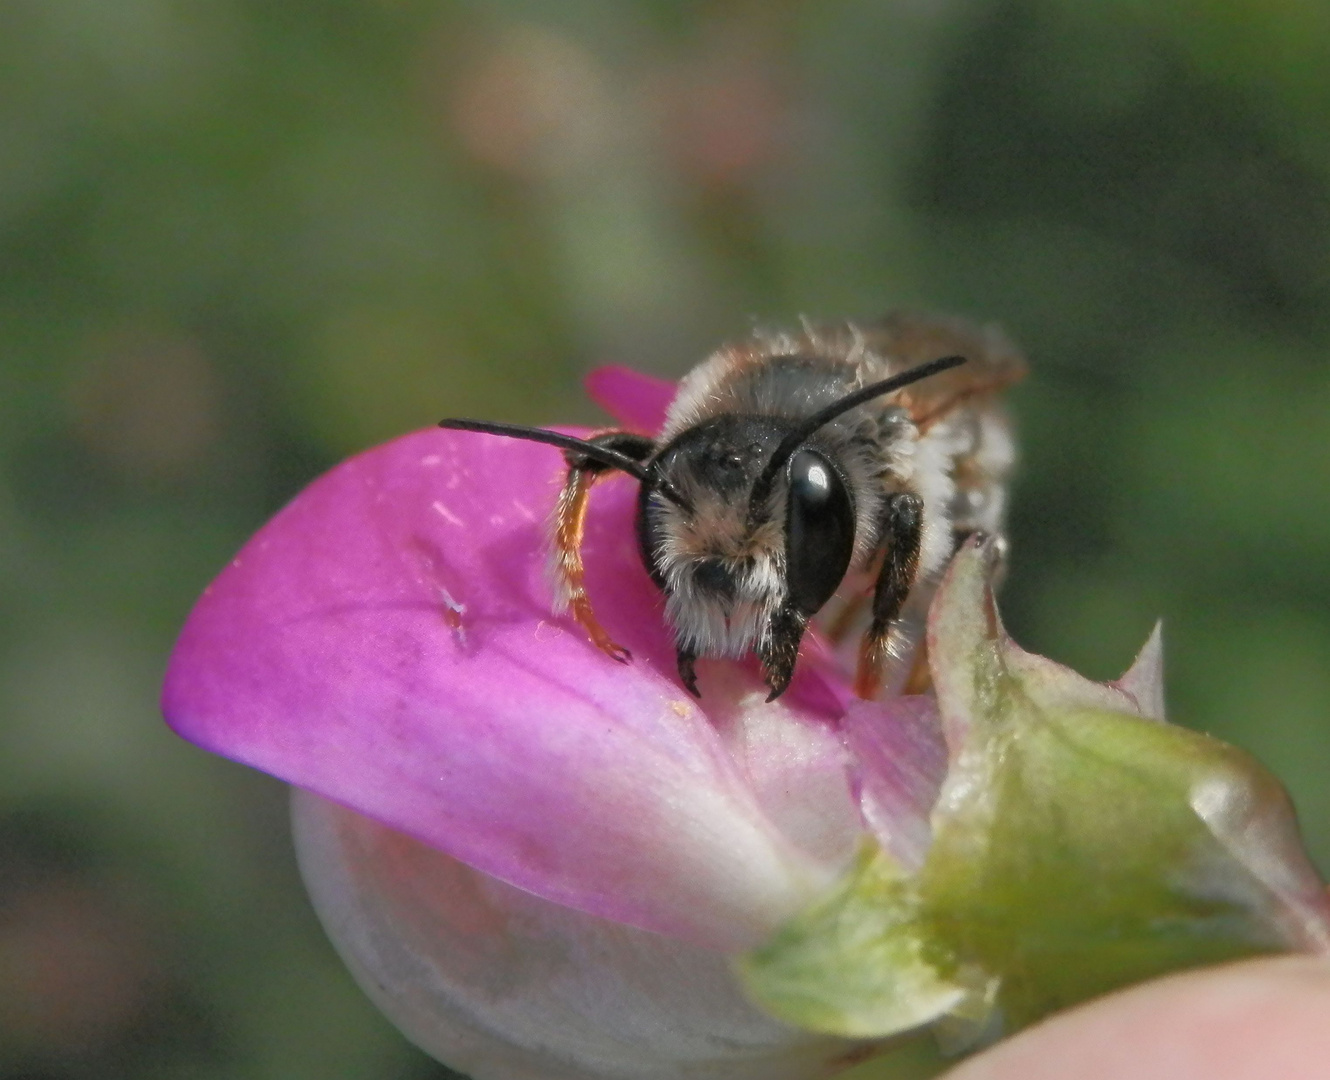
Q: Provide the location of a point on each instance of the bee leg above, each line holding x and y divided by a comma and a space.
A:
687, 671
920, 678
902, 531
570, 525
779, 648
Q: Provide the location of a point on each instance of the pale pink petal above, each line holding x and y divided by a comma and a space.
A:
1144, 680
800, 773
901, 760
506, 986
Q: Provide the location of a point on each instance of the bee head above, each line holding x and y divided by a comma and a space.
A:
763, 516
727, 561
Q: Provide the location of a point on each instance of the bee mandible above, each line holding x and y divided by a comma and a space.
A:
844, 458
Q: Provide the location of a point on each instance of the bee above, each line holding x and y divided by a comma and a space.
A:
845, 459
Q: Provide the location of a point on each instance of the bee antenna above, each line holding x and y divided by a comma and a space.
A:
789, 445
652, 478
603, 454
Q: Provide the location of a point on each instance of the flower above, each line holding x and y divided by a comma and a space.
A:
542, 863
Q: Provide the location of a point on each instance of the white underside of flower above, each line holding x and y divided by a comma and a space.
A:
503, 985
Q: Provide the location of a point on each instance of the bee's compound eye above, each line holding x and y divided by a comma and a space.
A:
819, 531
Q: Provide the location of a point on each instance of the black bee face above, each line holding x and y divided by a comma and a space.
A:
727, 565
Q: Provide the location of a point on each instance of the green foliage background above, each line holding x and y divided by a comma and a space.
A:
240, 240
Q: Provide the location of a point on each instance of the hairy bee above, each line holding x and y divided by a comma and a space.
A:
842, 458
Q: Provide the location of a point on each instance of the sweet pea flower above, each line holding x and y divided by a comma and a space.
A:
541, 863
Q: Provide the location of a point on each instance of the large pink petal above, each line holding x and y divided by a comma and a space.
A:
387, 642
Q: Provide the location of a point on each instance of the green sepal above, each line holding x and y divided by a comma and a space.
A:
1080, 844
853, 963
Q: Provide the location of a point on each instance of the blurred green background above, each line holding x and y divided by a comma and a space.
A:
240, 240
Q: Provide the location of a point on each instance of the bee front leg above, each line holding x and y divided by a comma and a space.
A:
779, 648
688, 670
566, 568
902, 532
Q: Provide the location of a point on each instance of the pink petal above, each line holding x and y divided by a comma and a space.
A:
386, 641
637, 401
901, 760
